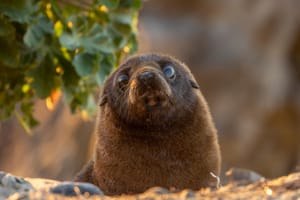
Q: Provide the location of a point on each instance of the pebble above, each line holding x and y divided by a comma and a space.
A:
187, 194
158, 190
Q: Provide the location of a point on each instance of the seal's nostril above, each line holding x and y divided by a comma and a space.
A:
146, 75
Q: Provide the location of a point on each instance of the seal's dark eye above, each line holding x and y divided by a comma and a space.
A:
169, 72
123, 81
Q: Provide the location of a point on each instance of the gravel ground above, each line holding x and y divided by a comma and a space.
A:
286, 187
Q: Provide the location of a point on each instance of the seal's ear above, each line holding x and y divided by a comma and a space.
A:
103, 100
194, 84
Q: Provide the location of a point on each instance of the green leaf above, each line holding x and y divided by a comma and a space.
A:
75, 104
8, 55
33, 37
124, 29
69, 41
89, 104
122, 22
132, 43
123, 18
81, 24
6, 28
136, 4
36, 33
110, 4
27, 108
97, 40
23, 123
106, 67
44, 78
84, 63
70, 78
19, 10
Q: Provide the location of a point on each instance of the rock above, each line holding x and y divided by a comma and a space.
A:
75, 189
187, 194
2, 174
153, 193
16, 183
10, 185
243, 176
286, 187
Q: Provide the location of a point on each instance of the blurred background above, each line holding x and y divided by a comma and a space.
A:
245, 54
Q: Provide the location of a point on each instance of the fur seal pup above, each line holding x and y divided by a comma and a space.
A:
154, 128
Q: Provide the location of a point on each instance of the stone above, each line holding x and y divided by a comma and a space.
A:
187, 194
10, 185
158, 190
75, 189
243, 176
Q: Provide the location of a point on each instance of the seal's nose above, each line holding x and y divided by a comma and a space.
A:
146, 76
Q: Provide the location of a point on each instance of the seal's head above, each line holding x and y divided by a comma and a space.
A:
150, 90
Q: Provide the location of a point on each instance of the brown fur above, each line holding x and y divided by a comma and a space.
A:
173, 145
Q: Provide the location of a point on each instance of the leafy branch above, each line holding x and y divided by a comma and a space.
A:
68, 47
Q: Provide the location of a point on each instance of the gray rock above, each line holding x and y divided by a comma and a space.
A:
243, 176
15, 183
10, 185
2, 174
75, 189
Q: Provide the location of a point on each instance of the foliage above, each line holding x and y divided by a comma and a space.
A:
68, 46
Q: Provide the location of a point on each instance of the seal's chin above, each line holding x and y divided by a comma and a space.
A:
151, 109
154, 99
149, 91
149, 101
146, 99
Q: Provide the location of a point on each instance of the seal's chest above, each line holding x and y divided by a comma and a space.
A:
159, 160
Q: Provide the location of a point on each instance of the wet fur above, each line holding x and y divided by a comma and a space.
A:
175, 146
